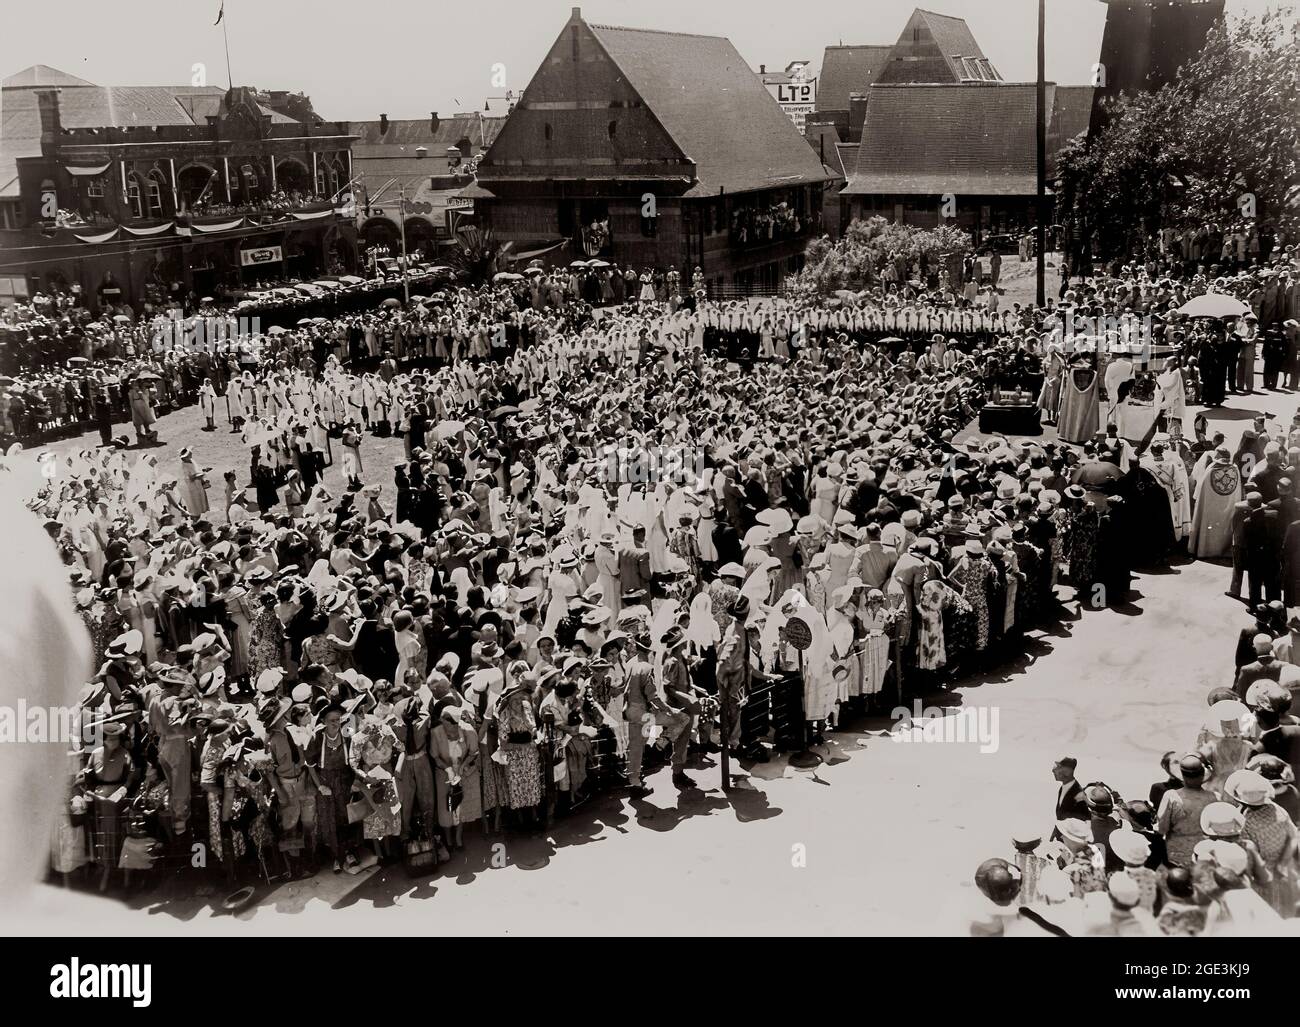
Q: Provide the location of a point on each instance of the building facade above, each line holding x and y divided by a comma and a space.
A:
143, 195
422, 166
652, 149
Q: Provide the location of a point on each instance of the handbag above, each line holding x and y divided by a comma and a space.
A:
360, 805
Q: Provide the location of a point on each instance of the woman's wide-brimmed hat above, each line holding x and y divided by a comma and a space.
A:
126, 644
1248, 787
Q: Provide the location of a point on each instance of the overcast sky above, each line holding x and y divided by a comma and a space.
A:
406, 59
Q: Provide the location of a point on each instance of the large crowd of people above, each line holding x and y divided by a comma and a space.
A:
592, 557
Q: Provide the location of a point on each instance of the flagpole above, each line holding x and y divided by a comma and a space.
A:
230, 79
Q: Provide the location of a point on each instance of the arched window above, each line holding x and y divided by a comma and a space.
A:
546, 131
613, 128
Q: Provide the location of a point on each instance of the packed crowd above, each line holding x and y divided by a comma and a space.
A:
603, 528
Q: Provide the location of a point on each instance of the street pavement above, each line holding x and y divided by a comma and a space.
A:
882, 838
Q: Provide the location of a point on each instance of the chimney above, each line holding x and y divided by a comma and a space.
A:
383, 124
857, 115
575, 14
433, 122
47, 102
762, 69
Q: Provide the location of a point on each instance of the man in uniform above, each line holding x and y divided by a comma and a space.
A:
646, 707
290, 780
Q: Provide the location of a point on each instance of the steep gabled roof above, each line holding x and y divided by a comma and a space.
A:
952, 35
42, 75
972, 140
848, 69
714, 107
936, 48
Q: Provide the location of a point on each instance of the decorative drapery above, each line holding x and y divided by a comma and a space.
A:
103, 237
97, 169
152, 230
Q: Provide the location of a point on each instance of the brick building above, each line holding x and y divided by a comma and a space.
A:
138, 194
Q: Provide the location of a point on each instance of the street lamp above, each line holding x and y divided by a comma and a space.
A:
401, 223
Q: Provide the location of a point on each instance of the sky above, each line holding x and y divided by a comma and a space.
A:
405, 58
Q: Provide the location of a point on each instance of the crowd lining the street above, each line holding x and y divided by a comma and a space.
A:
607, 519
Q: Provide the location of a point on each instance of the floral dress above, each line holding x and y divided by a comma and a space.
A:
935, 598
523, 767
975, 577
374, 746
1083, 529
266, 643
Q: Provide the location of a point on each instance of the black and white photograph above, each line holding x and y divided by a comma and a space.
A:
720, 469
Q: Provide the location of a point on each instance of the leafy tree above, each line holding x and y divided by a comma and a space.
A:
854, 262
1219, 144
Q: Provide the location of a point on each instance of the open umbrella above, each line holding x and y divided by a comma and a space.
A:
446, 429
1214, 304
578, 263
390, 303
305, 321
276, 330
121, 319
147, 376
1097, 473
504, 411
597, 263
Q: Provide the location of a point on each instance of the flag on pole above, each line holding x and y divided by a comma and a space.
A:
220, 14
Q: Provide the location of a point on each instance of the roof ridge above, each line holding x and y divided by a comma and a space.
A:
939, 14
954, 85
859, 46
658, 32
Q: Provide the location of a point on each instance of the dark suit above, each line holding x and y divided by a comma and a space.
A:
1262, 669
633, 568
1071, 804
1283, 742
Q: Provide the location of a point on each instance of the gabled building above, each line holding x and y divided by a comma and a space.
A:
964, 153
932, 48
936, 48
654, 149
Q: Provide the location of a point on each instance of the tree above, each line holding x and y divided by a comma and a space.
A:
854, 261
1217, 145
